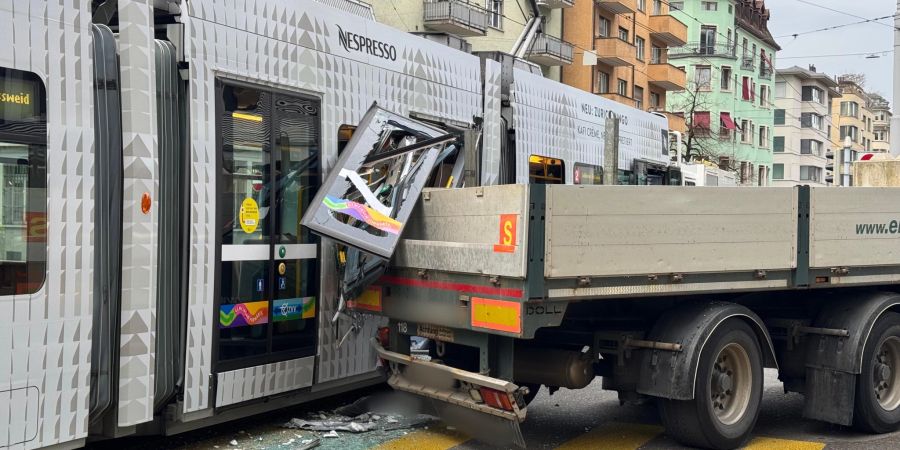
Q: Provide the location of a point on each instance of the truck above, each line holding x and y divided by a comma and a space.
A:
674, 294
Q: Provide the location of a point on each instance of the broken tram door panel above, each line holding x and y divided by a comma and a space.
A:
369, 195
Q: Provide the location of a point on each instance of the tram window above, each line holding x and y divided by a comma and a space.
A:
23, 182
345, 132
624, 177
544, 170
587, 174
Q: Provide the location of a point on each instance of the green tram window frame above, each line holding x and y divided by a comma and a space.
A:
23, 177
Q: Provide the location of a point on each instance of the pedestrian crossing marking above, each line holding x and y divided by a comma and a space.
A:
432, 439
614, 436
767, 443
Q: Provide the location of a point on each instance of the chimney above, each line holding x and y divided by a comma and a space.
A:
812, 67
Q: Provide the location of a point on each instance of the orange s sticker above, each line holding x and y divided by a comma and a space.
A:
500, 315
507, 242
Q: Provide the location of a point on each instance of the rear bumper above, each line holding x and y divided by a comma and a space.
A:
456, 396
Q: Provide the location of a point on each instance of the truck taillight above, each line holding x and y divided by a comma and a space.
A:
496, 399
384, 336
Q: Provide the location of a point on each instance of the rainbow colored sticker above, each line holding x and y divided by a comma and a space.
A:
363, 213
243, 314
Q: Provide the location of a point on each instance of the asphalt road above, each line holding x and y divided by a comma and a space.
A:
583, 419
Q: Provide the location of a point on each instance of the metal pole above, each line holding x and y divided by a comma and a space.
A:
611, 151
895, 119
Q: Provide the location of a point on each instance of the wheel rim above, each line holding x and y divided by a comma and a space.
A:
731, 382
886, 374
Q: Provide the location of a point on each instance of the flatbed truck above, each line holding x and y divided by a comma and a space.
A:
672, 294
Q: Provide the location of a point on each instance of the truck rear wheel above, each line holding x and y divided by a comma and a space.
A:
727, 392
878, 386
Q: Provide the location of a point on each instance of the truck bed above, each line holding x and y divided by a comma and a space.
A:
597, 242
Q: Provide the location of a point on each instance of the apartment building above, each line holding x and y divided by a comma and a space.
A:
728, 102
529, 29
853, 122
801, 146
881, 128
626, 46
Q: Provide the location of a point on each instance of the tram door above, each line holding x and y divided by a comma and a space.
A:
268, 279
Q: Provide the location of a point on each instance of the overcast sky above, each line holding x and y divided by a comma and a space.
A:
794, 16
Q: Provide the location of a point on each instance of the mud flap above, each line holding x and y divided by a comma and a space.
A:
457, 397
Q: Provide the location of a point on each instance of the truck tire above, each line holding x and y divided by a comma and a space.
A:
727, 392
877, 408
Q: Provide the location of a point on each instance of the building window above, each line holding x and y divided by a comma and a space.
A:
763, 95
810, 173
744, 48
777, 171
657, 7
654, 101
746, 131
778, 144
779, 117
780, 89
638, 97
709, 6
622, 88
703, 77
810, 147
676, 6
623, 34
851, 132
603, 26
746, 89
495, 13
811, 120
642, 5
23, 183
701, 123
707, 40
657, 55
813, 94
726, 78
764, 137
602, 82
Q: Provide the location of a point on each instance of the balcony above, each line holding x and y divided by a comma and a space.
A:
617, 6
547, 50
615, 52
668, 29
829, 165
765, 73
706, 50
667, 76
552, 4
619, 98
456, 17
454, 42
676, 122
748, 63
829, 154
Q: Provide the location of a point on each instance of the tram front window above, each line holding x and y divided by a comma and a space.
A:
544, 170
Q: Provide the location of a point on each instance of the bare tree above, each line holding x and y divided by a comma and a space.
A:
703, 140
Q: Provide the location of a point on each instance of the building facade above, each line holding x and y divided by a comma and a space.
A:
625, 52
529, 29
853, 124
728, 104
881, 128
802, 148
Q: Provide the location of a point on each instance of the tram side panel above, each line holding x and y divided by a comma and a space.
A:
309, 51
552, 120
46, 228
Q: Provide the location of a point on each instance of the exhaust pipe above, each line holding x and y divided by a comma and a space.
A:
568, 369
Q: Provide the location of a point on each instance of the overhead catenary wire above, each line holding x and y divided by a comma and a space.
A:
836, 27
818, 5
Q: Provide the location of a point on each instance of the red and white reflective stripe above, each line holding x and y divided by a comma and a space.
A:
495, 398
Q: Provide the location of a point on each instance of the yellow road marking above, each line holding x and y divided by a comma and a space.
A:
434, 439
618, 436
766, 443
